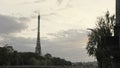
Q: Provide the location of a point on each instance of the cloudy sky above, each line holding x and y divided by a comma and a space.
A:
63, 28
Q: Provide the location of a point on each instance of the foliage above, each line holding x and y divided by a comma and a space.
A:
104, 28
28, 58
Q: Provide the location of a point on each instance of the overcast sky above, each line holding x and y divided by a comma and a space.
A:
63, 28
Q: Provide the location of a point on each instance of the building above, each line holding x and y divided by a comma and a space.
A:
38, 43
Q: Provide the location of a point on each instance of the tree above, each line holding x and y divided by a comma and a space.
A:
60, 62
8, 57
48, 56
48, 59
104, 27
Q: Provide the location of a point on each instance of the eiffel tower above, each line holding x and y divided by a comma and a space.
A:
38, 44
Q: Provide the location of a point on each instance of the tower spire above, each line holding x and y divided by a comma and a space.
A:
38, 44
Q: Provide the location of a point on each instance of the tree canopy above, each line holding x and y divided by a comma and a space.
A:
10, 58
104, 27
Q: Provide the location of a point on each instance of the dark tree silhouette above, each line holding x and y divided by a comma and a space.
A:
8, 57
104, 27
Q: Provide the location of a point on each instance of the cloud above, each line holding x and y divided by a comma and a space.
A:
24, 44
10, 25
39, 1
69, 35
20, 43
30, 2
59, 1
63, 4
68, 44
24, 19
